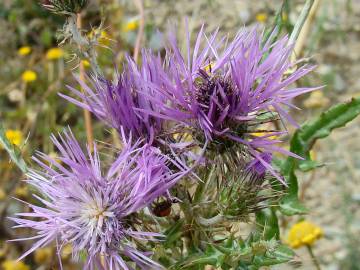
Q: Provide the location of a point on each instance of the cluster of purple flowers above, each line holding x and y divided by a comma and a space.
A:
218, 95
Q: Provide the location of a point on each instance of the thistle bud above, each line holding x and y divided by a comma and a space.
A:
65, 6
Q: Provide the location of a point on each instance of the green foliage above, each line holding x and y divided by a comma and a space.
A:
66, 6
234, 253
301, 144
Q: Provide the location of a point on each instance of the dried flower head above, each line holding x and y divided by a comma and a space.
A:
94, 212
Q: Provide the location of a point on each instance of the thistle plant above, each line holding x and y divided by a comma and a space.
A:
199, 133
65, 6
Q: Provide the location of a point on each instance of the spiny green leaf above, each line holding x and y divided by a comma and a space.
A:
282, 254
211, 256
173, 234
267, 223
302, 142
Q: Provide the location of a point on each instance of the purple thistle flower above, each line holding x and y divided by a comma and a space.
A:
92, 211
224, 92
116, 102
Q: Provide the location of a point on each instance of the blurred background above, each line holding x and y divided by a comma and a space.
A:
34, 69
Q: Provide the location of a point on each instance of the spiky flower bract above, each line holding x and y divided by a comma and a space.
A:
65, 6
226, 90
93, 211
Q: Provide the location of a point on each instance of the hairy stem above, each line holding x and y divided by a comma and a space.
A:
312, 255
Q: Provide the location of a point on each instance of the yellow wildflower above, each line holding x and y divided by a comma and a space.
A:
14, 265
54, 53
42, 255
303, 233
29, 76
25, 50
85, 63
261, 17
131, 25
14, 136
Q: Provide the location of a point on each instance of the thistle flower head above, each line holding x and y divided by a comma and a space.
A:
92, 211
65, 6
243, 191
226, 90
124, 104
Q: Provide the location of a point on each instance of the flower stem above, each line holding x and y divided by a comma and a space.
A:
313, 258
140, 7
300, 21
87, 116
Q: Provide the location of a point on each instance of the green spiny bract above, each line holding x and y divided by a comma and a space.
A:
65, 6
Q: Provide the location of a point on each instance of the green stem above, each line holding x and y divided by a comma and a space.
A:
314, 260
301, 20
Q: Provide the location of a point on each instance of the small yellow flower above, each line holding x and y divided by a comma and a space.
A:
304, 233
14, 136
42, 255
25, 50
261, 17
85, 63
29, 76
131, 25
54, 53
14, 265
